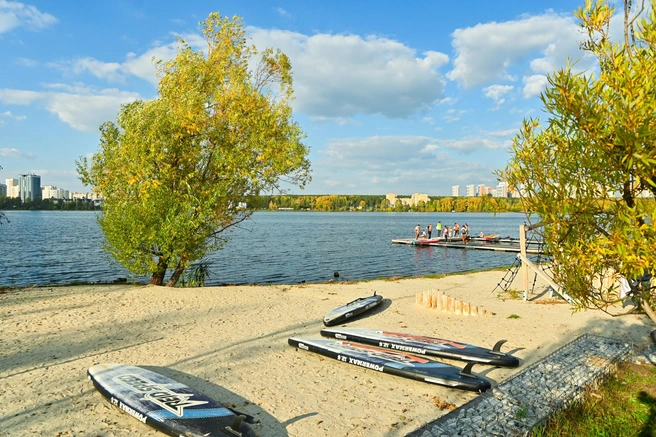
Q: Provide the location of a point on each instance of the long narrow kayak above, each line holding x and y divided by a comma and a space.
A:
394, 362
422, 345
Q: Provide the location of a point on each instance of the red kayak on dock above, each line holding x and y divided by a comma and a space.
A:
427, 241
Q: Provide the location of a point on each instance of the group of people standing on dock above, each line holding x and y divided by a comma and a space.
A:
445, 232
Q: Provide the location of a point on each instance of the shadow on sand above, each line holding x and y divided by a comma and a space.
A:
263, 422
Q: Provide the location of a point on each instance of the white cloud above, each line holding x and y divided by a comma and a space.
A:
9, 115
340, 121
81, 108
385, 151
453, 115
26, 62
335, 76
102, 70
496, 93
18, 97
345, 75
15, 14
87, 112
534, 85
508, 133
377, 151
474, 144
142, 66
402, 164
283, 13
14, 153
487, 52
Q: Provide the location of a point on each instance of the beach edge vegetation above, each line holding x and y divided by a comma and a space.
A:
586, 172
175, 171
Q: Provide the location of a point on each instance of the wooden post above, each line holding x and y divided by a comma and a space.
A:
522, 252
526, 262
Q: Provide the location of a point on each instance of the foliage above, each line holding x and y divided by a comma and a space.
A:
14, 203
175, 171
196, 275
624, 405
357, 202
584, 173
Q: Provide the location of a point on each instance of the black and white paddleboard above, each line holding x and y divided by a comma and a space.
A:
351, 309
394, 362
165, 404
422, 345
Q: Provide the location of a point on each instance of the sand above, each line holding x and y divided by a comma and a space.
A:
231, 343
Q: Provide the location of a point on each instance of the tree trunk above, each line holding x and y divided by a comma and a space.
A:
157, 277
648, 310
175, 276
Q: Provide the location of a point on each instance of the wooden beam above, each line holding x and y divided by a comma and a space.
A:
529, 265
522, 255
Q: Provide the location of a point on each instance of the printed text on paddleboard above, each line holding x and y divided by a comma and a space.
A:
158, 394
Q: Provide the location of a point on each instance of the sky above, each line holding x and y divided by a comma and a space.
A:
399, 97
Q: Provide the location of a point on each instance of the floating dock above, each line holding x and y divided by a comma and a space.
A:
498, 245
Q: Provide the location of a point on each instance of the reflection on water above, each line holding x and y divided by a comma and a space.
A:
43, 247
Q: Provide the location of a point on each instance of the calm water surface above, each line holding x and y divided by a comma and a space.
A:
59, 247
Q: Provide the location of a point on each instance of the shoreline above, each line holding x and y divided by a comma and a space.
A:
230, 342
127, 282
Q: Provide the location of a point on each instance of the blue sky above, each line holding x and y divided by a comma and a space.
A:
394, 96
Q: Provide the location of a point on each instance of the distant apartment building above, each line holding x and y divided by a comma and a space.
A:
501, 190
455, 191
81, 196
470, 191
3, 190
12, 188
417, 197
30, 187
480, 190
410, 201
51, 192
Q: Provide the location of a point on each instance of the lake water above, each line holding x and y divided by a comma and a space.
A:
60, 247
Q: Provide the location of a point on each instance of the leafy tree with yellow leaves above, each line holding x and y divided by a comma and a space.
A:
587, 171
176, 171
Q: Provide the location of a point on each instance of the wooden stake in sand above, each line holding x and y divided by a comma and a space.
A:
441, 301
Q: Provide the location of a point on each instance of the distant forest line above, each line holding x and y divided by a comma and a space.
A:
14, 203
379, 203
335, 203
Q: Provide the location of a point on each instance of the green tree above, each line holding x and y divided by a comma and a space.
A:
174, 170
446, 204
585, 170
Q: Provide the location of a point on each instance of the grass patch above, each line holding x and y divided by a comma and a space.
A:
513, 316
521, 413
511, 294
624, 405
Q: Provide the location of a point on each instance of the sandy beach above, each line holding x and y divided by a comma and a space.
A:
231, 343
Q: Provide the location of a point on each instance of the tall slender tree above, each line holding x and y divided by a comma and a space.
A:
590, 172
